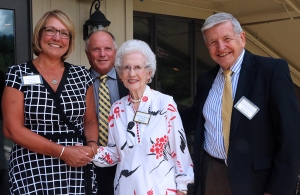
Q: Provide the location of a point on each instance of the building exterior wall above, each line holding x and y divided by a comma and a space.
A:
120, 14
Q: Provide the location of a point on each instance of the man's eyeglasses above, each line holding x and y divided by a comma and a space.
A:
51, 31
137, 69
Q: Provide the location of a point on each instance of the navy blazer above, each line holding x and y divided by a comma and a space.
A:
264, 153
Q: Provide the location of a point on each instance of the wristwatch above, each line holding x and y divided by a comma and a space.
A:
183, 191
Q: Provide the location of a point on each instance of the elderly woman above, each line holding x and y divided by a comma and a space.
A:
49, 112
146, 138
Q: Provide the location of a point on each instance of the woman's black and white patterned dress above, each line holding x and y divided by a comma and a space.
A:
32, 173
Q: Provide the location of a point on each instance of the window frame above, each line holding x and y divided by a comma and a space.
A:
192, 47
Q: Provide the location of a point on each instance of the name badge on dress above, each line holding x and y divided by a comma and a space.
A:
246, 107
142, 117
31, 79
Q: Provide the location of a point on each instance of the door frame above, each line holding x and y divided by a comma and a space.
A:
23, 27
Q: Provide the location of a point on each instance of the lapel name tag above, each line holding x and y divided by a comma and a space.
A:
142, 117
246, 107
31, 79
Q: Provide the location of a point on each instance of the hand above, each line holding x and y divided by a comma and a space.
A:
77, 156
94, 148
88, 150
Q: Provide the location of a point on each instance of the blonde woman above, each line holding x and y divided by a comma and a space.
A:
49, 112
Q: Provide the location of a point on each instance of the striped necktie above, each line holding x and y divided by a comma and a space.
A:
227, 104
104, 109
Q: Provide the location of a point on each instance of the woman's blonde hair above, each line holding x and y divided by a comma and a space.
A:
65, 20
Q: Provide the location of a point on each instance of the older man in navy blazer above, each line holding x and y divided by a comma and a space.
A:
264, 149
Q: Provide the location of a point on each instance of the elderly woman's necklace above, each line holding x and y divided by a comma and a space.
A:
134, 101
54, 81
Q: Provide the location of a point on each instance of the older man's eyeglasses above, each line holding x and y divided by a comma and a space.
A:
51, 31
137, 69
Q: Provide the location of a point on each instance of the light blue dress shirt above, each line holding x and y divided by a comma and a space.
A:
212, 111
112, 84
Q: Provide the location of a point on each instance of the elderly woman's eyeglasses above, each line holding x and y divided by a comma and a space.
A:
137, 69
51, 31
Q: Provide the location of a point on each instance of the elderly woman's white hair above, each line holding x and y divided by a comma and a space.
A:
133, 46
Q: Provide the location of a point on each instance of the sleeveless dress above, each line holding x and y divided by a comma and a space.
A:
33, 173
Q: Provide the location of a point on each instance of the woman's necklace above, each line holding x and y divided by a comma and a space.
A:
134, 101
54, 81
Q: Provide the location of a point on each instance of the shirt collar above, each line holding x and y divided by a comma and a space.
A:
111, 74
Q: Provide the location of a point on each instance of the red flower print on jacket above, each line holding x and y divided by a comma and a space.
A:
169, 123
173, 154
145, 99
159, 147
117, 112
171, 108
106, 156
179, 166
110, 117
150, 192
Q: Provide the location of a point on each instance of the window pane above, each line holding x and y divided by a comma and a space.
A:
7, 39
7, 58
173, 60
141, 29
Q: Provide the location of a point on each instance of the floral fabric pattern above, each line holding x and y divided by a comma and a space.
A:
151, 158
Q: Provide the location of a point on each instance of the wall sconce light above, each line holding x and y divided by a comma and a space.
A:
97, 21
